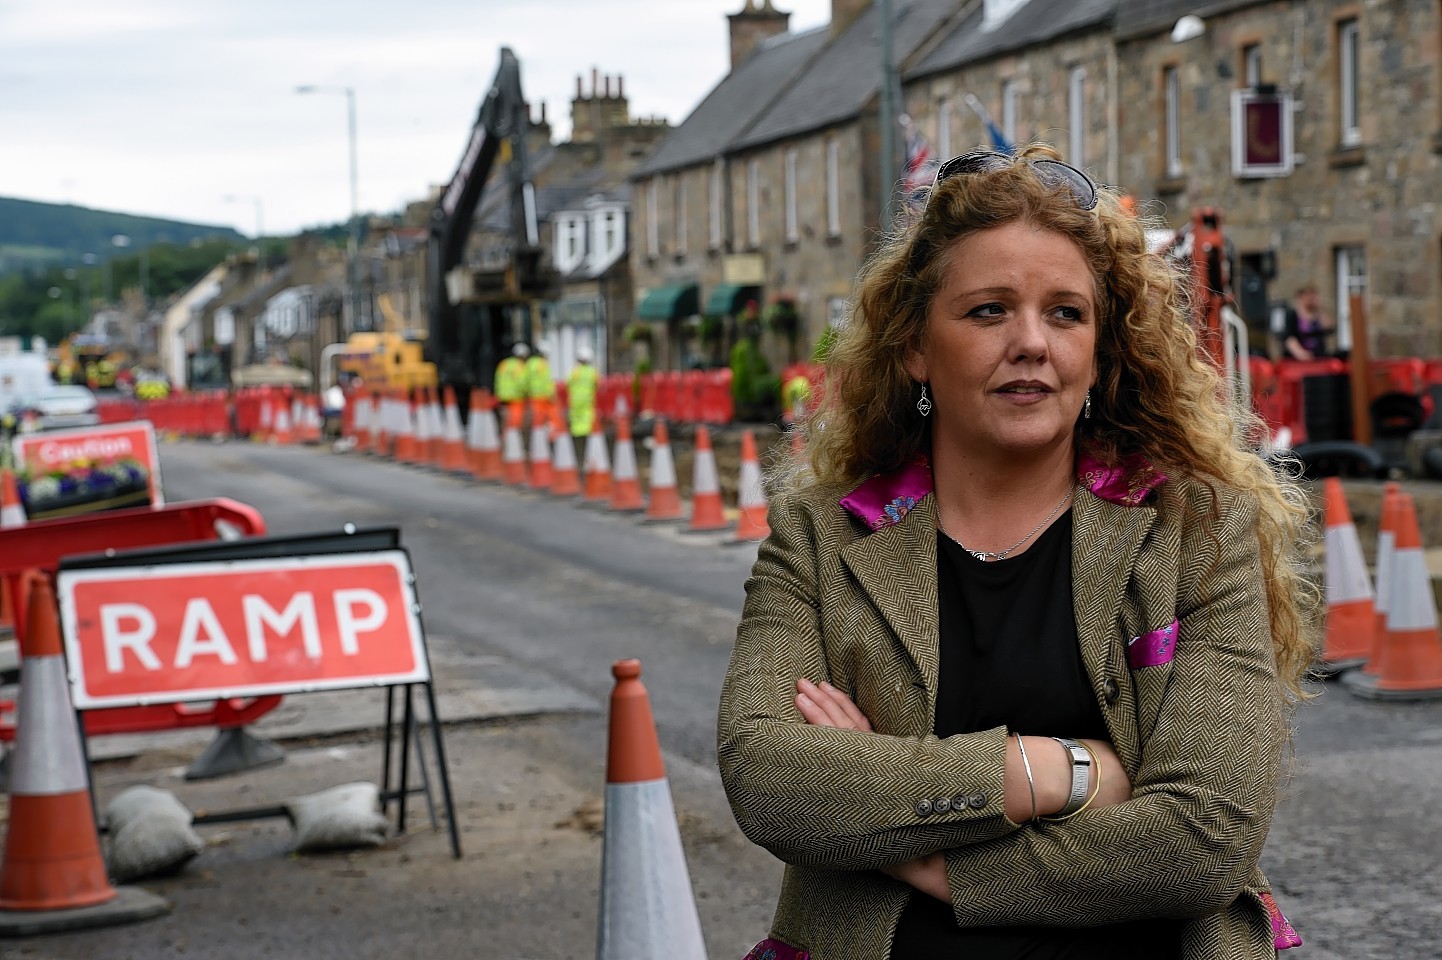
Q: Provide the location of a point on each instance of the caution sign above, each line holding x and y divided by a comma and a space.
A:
67, 472
172, 632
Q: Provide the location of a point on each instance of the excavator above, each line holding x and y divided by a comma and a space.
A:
480, 307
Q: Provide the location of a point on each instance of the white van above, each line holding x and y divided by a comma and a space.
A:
22, 374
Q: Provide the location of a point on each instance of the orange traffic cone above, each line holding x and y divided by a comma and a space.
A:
381, 430
52, 850
1386, 548
12, 512
750, 495
1351, 616
647, 908
482, 438
565, 477
453, 443
425, 432
625, 479
540, 457
513, 458
407, 422
664, 501
597, 467
282, 432
1409, 659
707, 512
312, 424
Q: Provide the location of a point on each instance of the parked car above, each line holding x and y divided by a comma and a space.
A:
56, 407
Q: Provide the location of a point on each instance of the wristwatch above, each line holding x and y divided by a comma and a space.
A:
1081, 769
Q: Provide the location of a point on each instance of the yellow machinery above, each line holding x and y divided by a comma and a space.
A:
391, 357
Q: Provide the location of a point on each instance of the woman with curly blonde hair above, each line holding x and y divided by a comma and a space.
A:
1013, 673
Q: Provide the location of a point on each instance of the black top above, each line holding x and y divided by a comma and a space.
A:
1009, 657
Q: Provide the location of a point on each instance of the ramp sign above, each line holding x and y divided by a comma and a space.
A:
210, 630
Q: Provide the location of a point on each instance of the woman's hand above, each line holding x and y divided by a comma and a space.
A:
927, 874
822, 705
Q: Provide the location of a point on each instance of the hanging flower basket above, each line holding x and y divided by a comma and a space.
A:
782, 318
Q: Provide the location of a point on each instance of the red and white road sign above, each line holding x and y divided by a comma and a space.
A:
80, 451
204, 631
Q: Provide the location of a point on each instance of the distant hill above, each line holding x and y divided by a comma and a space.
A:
35, 236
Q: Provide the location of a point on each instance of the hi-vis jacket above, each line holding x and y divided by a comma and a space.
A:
1172, 623
511, 380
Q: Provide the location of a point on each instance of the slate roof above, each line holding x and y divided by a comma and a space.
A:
721, 119
1034, 22
838, 83
1138, 17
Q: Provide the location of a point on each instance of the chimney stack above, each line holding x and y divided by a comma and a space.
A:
757, 21
845, 12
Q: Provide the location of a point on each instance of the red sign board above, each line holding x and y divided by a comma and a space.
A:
204, 631
90, 468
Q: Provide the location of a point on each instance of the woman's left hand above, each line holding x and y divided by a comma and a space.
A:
822, 705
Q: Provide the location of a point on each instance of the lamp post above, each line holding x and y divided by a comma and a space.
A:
353, 244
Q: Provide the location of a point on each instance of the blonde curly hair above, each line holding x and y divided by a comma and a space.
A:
1155, 397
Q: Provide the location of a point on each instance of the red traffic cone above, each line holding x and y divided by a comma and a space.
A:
707, 512
407, 423
625, 479
453, 444
1409, 659
750, 495
597, 466
513, 458
565, 476
1351, 617
12, 512
647, 908
541, 472
664, 498
483, 438
52, 850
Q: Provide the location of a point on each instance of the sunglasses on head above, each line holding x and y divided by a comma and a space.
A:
1050, 172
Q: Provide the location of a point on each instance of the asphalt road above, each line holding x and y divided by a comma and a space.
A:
561, 592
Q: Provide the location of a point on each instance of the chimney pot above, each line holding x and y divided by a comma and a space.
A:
620, 93
579, 91
595, 81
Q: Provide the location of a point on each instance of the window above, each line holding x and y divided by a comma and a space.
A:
613, 239
1252, 65
1077, 116
753, 203
793, 231
1351, 282
653, 219
1008, 110
574, 248
678, 213
943, 129
1172, 91
833, 188
718, 169
1348, 80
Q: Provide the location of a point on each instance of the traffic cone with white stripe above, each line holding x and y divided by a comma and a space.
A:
1409, 659
541, 471
453, 442
597, 466
625, 479
12, 512
407, 422
707, 513
752, 524
513, 458
1386, 547
565, 475
283, 433
663, 498
54, 878
647, 908
482, 438
1351, 615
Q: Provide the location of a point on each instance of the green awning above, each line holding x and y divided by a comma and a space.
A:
729, 299
668, 302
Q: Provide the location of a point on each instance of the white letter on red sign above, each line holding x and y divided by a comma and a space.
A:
349, 624
259, 615
198, 614
117, 641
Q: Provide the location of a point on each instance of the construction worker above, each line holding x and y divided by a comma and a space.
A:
795, 395
581, 388
511, 385
540, 388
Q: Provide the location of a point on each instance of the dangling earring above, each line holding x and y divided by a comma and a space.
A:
923, 406
1087, 407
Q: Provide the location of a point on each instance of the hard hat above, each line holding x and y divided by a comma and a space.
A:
584, 355
520, 350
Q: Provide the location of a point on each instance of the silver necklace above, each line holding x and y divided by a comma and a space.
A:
986, 556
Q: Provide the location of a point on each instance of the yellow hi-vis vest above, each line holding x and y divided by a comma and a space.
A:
581, 388
539, 385
511, 380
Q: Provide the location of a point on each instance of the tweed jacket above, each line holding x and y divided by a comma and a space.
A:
1172, 624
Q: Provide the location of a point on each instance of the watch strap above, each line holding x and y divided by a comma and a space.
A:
1081, 763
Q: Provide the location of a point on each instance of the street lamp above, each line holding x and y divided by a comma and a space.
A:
353, 245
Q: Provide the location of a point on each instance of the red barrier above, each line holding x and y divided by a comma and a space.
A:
1290, 374
41, 545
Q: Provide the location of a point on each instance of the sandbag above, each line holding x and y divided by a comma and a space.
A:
339, 818
150, 834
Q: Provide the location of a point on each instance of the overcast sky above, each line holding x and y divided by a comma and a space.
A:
168, 107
